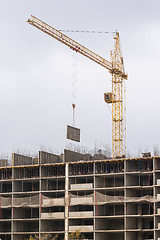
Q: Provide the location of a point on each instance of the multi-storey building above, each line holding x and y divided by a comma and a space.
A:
104, 199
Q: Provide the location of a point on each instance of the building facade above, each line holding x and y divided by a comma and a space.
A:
103, 199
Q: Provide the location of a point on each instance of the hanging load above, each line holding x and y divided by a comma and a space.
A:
73, 133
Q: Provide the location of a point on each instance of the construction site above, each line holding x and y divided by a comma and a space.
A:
103, 199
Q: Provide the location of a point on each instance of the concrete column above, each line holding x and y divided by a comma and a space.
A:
154, 195
12, 203
40, 198
125, 194
94, 185
66, 201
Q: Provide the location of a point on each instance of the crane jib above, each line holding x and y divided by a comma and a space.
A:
69, 42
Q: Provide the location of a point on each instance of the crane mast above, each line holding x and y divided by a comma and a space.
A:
117, 102
115, 67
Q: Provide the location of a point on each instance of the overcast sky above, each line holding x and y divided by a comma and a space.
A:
36, 74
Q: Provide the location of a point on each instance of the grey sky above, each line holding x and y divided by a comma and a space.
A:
36, 73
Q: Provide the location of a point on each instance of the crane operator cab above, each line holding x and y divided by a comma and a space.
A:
108, 97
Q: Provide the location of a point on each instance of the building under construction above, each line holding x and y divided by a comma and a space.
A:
102, 198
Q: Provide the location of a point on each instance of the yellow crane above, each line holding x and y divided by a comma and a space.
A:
115, 67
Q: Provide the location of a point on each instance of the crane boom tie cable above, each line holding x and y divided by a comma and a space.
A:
82, 31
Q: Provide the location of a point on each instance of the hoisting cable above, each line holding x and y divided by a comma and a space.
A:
74, 65
74, 84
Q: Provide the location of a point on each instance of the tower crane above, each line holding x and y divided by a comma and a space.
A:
115, 67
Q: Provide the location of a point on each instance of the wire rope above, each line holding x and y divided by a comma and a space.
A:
83, 31
74, 84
